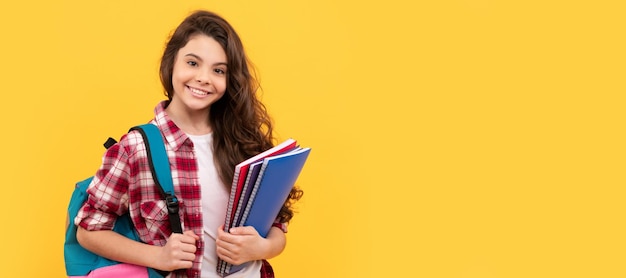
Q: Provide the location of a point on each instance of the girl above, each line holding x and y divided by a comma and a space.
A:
211, 121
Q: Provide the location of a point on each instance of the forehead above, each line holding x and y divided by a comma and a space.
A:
204, 47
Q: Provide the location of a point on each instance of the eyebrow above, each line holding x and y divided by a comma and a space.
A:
198, 57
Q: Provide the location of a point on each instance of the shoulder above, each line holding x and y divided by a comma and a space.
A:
131, 144
132, 138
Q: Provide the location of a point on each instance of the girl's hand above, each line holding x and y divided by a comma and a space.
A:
242, 244
179, 251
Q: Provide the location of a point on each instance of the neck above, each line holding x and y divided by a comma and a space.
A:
190, 122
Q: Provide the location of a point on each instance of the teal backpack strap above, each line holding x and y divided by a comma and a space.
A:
161, 172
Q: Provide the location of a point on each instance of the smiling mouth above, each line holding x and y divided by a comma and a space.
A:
198, 91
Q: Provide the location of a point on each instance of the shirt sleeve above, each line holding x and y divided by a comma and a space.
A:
282, 226
107, 193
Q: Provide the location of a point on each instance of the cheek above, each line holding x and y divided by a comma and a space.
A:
176, 83
222, 85
175, 77
180, 73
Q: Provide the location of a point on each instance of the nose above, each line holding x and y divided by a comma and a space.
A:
203, 76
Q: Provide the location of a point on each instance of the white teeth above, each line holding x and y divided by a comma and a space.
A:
198, 92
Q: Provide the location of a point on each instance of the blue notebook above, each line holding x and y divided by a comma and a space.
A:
262, 201
277, 176
241, 176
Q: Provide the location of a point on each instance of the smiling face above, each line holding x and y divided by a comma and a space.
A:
199, 75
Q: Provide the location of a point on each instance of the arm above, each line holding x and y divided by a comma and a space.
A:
108, 198
178, 252
244, 244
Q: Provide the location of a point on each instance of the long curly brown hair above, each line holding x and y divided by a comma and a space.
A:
241, 124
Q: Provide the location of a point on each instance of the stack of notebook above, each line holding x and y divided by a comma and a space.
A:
260, 186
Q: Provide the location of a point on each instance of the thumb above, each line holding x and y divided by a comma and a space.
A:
191, 234
247, 230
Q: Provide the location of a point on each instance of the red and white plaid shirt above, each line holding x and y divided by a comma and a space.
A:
124, 184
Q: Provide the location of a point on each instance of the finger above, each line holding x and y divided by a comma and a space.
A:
188, 239
183, 264
247, 230
185, 256
181, 238
191, 234
189, 248
220, 231
224, 236
224, 254
226, 241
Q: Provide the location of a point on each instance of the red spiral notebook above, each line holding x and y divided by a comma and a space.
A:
260, 186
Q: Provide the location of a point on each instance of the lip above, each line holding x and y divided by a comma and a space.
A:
194, 91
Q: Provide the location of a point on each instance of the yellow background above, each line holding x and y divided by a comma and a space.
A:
452, 138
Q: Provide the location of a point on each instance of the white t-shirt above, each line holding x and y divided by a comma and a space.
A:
214, 202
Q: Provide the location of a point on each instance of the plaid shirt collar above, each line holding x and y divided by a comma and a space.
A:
174, 136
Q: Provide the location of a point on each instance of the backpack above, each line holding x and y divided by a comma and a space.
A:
78, 260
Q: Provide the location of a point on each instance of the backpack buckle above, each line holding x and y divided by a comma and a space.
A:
172, 203
172, 208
